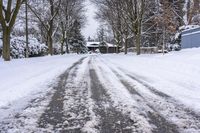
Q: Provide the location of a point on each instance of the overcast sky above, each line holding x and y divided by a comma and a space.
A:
92, 24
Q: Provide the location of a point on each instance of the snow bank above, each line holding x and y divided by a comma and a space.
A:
176, 74
24, 77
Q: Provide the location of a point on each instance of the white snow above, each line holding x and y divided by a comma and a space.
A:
120, 96
188, 27
96, 44
111, 45
78, 92
24, 77
176, 74
92, 44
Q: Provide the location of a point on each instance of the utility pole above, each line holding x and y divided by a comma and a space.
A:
26, 12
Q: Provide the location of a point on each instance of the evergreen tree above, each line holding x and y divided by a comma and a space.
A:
76, 38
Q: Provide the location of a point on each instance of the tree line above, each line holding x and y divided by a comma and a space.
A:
146, 23
47, 20
138, 23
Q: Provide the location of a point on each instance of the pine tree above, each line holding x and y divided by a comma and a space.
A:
76, 38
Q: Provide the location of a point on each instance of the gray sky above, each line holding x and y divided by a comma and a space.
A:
92, 24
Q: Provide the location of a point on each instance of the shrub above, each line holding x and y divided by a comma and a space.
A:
18, 47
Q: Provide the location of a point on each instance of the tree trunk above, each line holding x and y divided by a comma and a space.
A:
50, 44
117, 49
67, 46
138, 38
62, 51
138, 44
50, 40
126, 46
6, 44
118, 43
163, 46
27, 47
50, 31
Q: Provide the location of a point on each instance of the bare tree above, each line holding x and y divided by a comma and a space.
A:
54, 6
70, 11
26, 17
193, 8
122, 16
135, 12
8, 17
110, 13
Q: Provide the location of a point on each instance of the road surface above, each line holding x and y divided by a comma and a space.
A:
93, 96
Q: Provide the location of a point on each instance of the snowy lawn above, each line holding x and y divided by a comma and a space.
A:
176, 74
24, 77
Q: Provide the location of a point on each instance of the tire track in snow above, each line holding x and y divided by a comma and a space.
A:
24, 119
165, 96
53, 117
111, 120
77, 102
190, 120
117, 101
161, 125
155, 118
186, 119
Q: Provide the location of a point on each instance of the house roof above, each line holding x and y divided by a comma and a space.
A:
111, 45
92, 44
96, 44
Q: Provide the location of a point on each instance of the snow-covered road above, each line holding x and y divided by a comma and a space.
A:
108, 94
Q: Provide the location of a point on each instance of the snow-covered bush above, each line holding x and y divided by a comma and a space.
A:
78, 46
174, 47
57, 48
18, 47
175, 44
